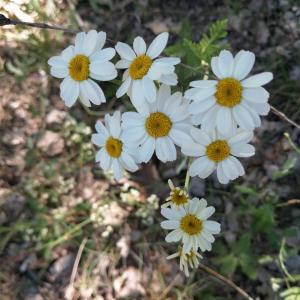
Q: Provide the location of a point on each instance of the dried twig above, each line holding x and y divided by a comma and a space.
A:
284, 117
7, 21
225, 280
76, 263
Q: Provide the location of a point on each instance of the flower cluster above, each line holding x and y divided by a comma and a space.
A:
188, 220
212, 122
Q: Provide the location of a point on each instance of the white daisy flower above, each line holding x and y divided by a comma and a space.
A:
77, 64
143, 68
232, 99
115, 153
158, 126
189, 223
216, 152
190, 259
178, 196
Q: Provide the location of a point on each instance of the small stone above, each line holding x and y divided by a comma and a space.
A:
13, 205
55, 117
62, 268
51, 143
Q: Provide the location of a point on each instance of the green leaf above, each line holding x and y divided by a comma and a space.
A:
228, 263
263, 219
287, 167
292, 293
248, 265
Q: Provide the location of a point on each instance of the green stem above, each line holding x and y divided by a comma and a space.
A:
67, 235
187, 175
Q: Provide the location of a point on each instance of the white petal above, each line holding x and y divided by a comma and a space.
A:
206, 212
210, 119
163, 93
200, 136
179, 137
123, 64
212, 226
170, 79
132, 119
257, 80
149, 89
221, 176
158, 45
172, 214
203, 93
90, 42
128, 162
98, 139
96, 94
241, 136
229, 168
117, 169
238, 165
170, 224
215, 67
103, 55
100, 40
125, 51
262, 109
147, 150
203, 84
60, 72
79, 42
104, 70
165, 149
174, 236
104, 159
68, 53
193, 149
154, 72
200, 166
58, 62
243, 64
101, 128
123, 87
168, 60
199, 107
226, 63
244, 150
70, 92
137, 92
243, 117
224, 121
139, 45
255, 94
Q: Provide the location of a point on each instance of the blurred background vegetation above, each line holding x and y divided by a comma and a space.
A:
68, 231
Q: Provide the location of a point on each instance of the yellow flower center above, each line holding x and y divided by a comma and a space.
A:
140, 66
229, 92
113, 147
79, 67
178, 196
158, 124
190, 224
218, 150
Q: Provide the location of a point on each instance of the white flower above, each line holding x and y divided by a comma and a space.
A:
178, 196
190, 259
216, 152
231, 100
158, 126
189, 224
115, 153
143, 68
77, 64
